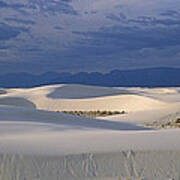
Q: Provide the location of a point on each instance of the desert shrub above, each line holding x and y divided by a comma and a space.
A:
164, 124
92, 114
177, 121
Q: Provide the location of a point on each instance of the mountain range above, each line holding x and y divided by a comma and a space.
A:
149, 77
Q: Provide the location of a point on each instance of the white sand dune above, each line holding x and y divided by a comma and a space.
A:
170, 112
48, 145
170, 90
9, 113
16, 101
65, 137
73, 91
48, 126
41, 144
119, 102
44, 98
162, 94
135, 165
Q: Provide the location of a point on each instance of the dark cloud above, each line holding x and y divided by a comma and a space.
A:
3, 4
7, 32
53, 7
11, 5
170, 13
20, 21
120, 17
33, 50
58, 28
167, 18
145, 20
3, 46
45, 6
18, 7
69, 35
131, 38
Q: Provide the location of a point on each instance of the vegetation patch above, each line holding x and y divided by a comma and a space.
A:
168, 124
93, 114
2, 91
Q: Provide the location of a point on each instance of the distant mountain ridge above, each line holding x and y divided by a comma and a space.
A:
149, 77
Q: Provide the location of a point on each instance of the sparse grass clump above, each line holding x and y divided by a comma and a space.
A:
164, 124
177, 121
93, 114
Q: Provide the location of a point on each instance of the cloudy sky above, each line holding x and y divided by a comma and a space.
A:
88, 35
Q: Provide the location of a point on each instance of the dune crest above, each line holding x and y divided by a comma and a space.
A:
75, 97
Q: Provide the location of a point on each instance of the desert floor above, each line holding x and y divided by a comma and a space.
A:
37, 142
